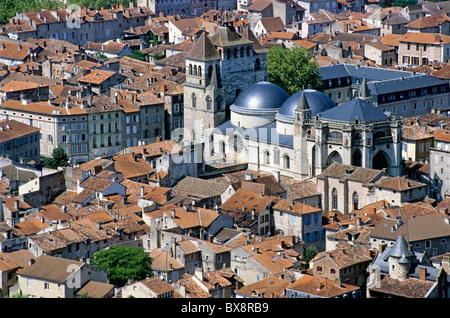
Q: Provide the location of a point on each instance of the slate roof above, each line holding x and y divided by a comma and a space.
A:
403, 84
355, 109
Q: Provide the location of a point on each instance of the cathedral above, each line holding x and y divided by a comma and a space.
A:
238, 116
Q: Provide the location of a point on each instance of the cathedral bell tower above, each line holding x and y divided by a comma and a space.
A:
302, 123
204, 106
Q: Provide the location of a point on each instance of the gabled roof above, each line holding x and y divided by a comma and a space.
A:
51, 268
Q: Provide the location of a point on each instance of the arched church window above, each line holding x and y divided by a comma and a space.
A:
228, 54
334, 199
355, 200
286, 162
266, 157
235, 53
195, 70
190, 69
242, 52
222, 147
248, 51
199, 71
276, 156
194, 100
208, 103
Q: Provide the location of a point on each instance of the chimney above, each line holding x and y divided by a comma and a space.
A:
422, 273
16, 204
199, 273
338, 282
172, 213
382, 247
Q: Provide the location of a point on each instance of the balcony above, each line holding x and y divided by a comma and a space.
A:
383, 140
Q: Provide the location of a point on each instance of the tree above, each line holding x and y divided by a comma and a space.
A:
122, 263
59, 159
309, 254
292, 69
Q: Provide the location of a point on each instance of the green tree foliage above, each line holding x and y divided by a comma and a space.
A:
292, 69
137, 55
59, 159
122, 263
309, 254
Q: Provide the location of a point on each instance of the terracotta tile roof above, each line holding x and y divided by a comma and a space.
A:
160, 195
7, 264
320, 287
97, 76
42, 108
246, 201
270, 287
131, 166
259, 5
273, 24
193, 290
305, 43
162, 261
346, 257
197, 187
399, 184
110, 47
51, 212
428, 21
15, 86
50, 268
380, 46
18, 26
347, 172
87, 227
188, 246
96, 289
408, 210
95, 183
410, 288
30, 227
157, 285
99, 217
10, 204
11, 129
415, 132
301, 190
425, 38
15, 51
421, 227
295, 207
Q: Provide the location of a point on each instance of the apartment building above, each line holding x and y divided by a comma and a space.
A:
19, 142
59, 126
81, 25
418, 49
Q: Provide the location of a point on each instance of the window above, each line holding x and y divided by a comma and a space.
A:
46, 285
266, 157
194, 101
334, 199
276, 156
286, 162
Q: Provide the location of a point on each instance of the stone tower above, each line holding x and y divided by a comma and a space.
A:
400, 259
302, 125
204, 105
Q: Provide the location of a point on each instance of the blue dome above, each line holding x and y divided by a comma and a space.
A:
262, 95
317, 101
